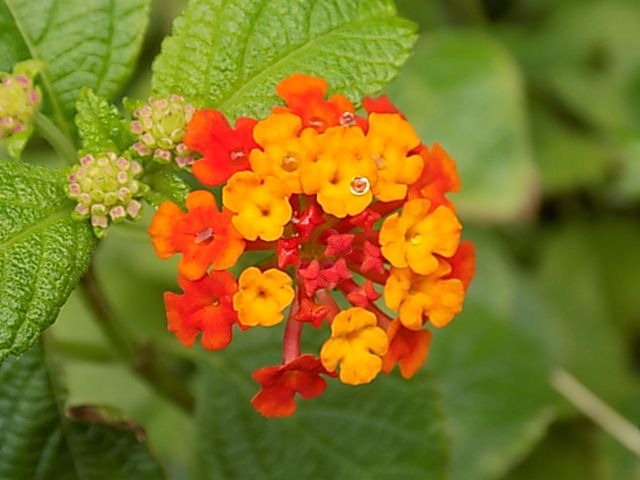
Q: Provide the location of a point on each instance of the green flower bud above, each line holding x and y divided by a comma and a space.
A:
19, 99
160, 125
105, 188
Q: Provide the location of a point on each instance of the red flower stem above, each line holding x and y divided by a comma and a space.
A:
292, 333
325, 298
349, 286
294, 201
360, 238
383, 319
376, 277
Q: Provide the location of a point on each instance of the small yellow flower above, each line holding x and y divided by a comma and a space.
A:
261, 205
411, 239
389, 140
262, 296
343, 177
424, 297
284, 149
356, 344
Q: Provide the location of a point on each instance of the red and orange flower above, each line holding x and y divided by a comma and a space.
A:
345, 204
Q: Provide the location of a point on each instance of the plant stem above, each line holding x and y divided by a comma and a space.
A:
599, 412
143, 359
292, 332
52, 134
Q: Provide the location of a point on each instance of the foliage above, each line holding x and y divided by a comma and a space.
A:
539, 102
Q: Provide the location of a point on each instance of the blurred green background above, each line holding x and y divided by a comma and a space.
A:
539, 102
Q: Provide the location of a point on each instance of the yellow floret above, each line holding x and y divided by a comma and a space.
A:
356, 344
262, 297
411, 239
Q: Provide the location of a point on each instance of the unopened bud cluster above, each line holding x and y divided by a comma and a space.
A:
19, 100
160, 125
106, 189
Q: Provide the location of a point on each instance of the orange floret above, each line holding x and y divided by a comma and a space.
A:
439, 177
224, 150
463, 264
279, 385
356, 344
420, 298
407, 348
261, 205
342, 177
412, 238
304, 96
204, 307
389, 140
283, 149
204, 236
262, 297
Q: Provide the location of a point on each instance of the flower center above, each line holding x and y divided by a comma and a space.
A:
237, 155
289, 163
317, 123
203, 236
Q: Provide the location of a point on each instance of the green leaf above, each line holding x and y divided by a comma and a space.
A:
626, 189
39, 441
463, 90
496, 395
230, 55
12, 50
100, 125
165, 185
389, 429
569, 451
620, 461
568, 159
575, 311
595, 58
43, 253
93, 44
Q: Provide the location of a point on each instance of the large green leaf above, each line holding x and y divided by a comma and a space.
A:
569, 451
568, 159
389, 429
39, 441
12, 51
231, 54
595, 57
496, 395
92, 43
621, 462
574, 308
43, 253
463, 90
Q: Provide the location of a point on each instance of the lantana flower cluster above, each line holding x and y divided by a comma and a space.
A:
364, 242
